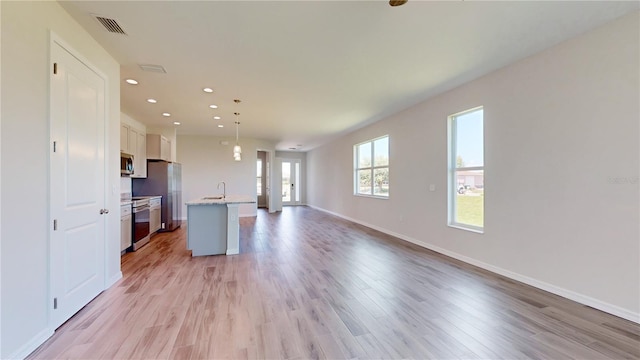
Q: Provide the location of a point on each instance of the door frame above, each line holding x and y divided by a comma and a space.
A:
298, 174
270, 162
53, 40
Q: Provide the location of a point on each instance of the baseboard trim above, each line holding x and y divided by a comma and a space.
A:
569, 294
113, 280
31, 345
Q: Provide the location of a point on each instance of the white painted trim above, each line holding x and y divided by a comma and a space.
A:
0, 196
32, 344
569, 294
56, 39
114, 279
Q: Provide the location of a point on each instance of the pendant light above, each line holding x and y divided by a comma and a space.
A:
237, 150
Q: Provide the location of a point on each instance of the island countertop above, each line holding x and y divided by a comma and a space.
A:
217, 200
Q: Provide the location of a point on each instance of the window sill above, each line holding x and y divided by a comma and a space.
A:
372, 196
474, 229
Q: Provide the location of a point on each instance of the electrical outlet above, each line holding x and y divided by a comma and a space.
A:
432, 187
162, 226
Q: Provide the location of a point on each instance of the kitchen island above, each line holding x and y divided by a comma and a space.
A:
213, 226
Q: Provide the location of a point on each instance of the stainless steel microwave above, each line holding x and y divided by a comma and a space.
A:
126, 164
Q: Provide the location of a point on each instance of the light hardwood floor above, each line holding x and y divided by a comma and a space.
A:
310, 285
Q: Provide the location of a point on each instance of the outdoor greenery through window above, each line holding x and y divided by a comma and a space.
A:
466, 169
371, 163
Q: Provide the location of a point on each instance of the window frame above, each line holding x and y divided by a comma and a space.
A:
372, 168
452, 188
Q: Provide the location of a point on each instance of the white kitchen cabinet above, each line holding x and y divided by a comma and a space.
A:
133, 141
124, 138
126, 227
155, 214
158, 147
165, 149
140, 156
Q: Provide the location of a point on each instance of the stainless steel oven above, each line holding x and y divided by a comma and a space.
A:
140, 210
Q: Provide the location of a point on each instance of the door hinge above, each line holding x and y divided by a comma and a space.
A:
55, 303
55, 224
55, 68
55, 143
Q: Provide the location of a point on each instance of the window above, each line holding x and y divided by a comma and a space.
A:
466, 170
259, 182
371, 163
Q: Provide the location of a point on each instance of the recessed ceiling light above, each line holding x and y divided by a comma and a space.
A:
153, 101
213, 106
216, 118
166, 114
176, 123
131, 81
207, 90
220, 126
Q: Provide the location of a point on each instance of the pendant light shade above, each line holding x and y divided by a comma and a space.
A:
237, 150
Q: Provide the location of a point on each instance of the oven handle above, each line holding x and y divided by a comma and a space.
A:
140, 208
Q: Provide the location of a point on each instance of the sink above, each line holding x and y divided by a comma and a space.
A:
219, 197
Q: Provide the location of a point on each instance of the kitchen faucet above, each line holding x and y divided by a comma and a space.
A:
224, 189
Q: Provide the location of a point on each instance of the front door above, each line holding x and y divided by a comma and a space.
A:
290, 182
77, 187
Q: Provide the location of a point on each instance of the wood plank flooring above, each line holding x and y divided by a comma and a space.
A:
307, 285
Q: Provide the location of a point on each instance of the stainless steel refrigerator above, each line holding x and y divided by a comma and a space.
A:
163, 178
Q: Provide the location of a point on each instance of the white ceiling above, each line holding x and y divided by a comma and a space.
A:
308, 71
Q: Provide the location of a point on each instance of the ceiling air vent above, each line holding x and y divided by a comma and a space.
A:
111, 25
153, 68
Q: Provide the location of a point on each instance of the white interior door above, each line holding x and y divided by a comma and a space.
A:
77, 168
290, 182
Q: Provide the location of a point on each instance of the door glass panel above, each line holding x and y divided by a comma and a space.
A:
286, 181
297, 183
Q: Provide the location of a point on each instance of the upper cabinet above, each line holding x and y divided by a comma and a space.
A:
158, 147
133, 141
124, 138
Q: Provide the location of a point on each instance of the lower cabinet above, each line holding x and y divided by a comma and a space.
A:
155, 215
126, 227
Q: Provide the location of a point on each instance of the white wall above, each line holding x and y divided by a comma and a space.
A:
25, 154
205, 163
302, 156
561, 161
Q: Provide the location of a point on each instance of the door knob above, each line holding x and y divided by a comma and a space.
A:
104, 211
